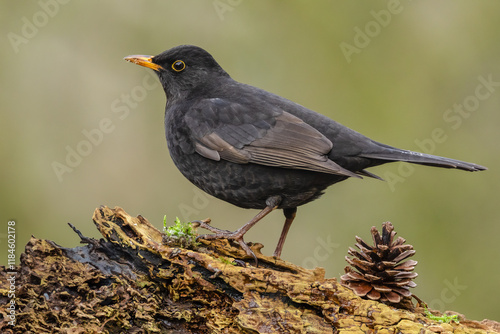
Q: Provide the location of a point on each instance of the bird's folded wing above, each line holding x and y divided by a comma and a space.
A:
276, 139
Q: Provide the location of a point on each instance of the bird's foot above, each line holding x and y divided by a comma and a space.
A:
224, 234
272, 203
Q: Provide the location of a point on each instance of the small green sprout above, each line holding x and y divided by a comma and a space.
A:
226, 261
179, 234
444, 318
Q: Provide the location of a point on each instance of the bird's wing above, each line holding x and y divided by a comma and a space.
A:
236, 133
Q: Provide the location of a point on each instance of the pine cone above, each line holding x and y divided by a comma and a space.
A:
378, 275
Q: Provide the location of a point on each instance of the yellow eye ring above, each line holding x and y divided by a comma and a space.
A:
178, 65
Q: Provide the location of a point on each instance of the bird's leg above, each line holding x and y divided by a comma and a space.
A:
272, 203
289, 217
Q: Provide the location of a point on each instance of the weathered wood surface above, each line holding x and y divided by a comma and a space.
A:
131, 282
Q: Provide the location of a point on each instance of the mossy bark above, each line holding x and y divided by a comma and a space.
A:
132, 282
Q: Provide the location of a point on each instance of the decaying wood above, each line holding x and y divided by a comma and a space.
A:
131, 282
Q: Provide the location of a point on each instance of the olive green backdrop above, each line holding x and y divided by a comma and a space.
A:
80, 127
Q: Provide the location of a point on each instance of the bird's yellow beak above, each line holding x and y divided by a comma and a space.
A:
146, 61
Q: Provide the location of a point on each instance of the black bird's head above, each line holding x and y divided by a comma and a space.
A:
182, 70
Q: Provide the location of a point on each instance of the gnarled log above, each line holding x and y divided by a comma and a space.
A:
131, 282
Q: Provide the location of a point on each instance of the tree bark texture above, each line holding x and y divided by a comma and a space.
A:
132, 282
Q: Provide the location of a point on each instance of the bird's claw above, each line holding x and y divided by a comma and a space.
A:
201, 223
224, 234
205, 224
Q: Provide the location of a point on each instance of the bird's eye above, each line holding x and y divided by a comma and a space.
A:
178, 65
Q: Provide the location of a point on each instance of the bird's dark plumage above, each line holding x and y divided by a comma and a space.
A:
255, 149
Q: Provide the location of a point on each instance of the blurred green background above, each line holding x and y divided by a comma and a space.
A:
388, 70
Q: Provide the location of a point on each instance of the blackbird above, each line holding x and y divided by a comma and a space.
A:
255, 149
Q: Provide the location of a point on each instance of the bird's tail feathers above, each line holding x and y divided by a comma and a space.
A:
394, 154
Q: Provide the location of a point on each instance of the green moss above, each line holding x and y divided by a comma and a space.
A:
180, 234
226, 261
444, 318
